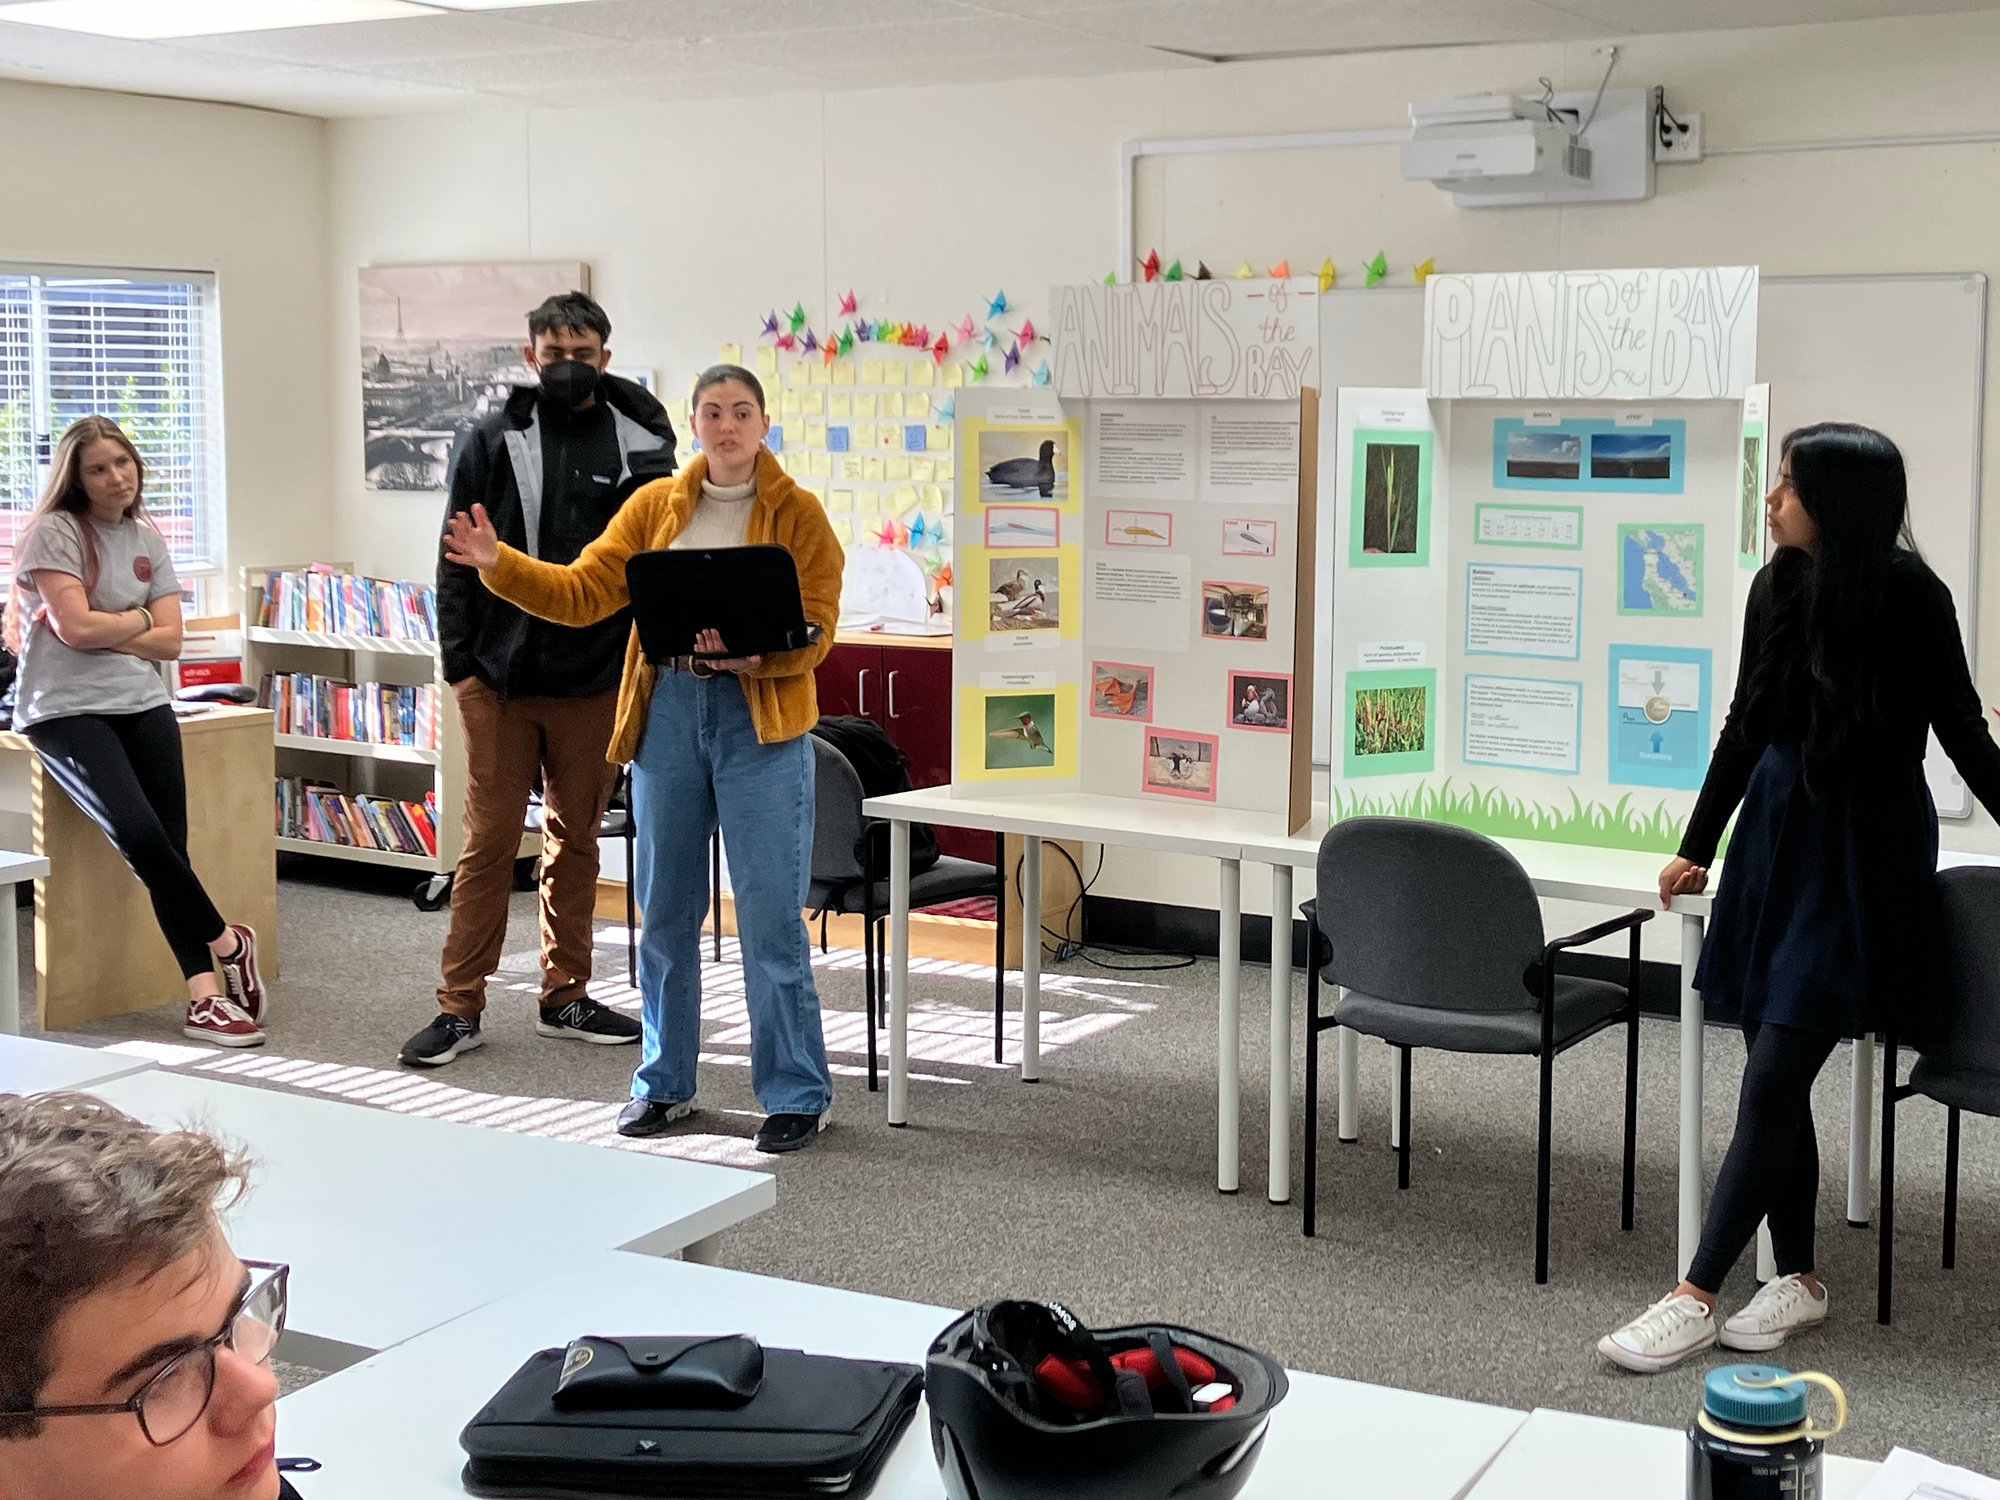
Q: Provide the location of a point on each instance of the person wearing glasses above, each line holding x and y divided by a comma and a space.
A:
135, 1346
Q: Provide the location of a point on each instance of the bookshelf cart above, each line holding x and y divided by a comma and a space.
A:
403, 772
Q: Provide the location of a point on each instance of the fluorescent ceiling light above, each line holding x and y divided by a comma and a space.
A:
495, 4
152, 20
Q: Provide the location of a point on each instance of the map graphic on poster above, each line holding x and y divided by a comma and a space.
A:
1659, 570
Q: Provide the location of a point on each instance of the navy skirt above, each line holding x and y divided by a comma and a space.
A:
1826, 915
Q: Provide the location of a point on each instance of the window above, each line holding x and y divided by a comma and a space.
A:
139, 347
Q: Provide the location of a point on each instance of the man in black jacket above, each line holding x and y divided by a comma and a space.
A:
551, 466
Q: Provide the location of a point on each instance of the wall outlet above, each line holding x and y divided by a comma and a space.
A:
1671, 145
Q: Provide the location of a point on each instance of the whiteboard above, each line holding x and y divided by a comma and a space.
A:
1905, 354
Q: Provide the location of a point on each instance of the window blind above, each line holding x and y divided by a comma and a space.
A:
138, 347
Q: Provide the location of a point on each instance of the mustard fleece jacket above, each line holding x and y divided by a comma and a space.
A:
783, 703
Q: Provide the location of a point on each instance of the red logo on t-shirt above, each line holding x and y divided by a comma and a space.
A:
142, 568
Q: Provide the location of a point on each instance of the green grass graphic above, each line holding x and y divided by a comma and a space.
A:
1620, 826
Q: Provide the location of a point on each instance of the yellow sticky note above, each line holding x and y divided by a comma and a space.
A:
866, 403
843, 529
868, 504
947, 469
840, 501
821, 375
939, 437
934, 496
815, 434
895, 372
813, 404
923, 470
871, 372
796, 376
843, 372
889, 437
923, 372
954, 375
822, 465
873, 468
732, 354
897, 468
863, 436
892, 403
916, 407
840, 404
767, 361
788, 403
902, 499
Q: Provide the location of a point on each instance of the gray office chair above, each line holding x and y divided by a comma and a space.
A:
1434, 935
850, 878
1961, 1068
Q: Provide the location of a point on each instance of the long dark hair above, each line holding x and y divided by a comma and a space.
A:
1822, 664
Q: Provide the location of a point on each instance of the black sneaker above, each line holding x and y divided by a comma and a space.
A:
584, 1020
644, 1117
790, 1132
441, 1041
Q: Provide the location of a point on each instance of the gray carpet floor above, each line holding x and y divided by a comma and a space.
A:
1096, 1185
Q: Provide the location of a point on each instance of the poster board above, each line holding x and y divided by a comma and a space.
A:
1904, 353
1536, 614
1135, 603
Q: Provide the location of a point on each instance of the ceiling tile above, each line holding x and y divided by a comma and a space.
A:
1646, 16
387, 41
651, 21
1309, 26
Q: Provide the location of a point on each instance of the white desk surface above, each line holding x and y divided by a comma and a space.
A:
390, 1425
1129, 822
394, 1224
32, 1066
15, 868
1560, 1456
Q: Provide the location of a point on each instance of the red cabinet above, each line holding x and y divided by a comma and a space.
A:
905, 686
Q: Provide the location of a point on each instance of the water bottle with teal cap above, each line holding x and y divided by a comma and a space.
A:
1753, 1438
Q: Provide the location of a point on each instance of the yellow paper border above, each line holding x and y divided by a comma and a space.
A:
969, 758
972, 616
970, 430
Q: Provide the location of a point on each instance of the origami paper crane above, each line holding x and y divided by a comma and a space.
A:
987, 340
787, 342
1282, 270
965, 329
887, 535
770, 324
1042, 373
923, 338
997, 306
979, 368
1111, 278
1174, 272
1377, 268
847, 304
1326, 273
949, 409
1150, 266
1244, 272
829, 351
917, 530
798, 316
1027, 334
1423, 268
1201, 271
938, 349
862, 330
846, 340
809, 343
1012, 358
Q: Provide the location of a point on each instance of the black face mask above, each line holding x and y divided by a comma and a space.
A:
568, 384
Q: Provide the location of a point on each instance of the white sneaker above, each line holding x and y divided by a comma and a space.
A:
1662, 1336
1780, 1309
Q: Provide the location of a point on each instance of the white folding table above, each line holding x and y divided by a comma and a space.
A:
31, 1066
14, 868
394, 1224
389, 1426
1557, 1455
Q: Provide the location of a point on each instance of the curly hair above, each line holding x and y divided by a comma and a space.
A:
89, 1197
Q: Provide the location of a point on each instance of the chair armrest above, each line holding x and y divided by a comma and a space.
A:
1589, 935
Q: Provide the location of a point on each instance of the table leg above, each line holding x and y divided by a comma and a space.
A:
1281, 1034
1692, 1021
1861, 1134
1031, 959
10, 965
1348, 1044
899, 972
704, 1251
1229, 1041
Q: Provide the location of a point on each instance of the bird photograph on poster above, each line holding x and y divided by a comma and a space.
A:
1180, 764
1020, 731
1018, 463
1261, 701
1023, 593
1121, 690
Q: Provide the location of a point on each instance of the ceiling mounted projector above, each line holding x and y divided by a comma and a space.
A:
1490, 150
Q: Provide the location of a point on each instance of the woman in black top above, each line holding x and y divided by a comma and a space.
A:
1827, 908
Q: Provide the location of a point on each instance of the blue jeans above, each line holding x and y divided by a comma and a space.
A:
699, 761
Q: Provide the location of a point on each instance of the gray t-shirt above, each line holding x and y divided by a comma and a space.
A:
133, 568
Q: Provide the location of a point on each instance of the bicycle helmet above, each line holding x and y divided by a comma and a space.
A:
1028, 1404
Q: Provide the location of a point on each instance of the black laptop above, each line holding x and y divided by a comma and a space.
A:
749, 594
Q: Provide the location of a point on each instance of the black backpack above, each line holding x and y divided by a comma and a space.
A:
884, 770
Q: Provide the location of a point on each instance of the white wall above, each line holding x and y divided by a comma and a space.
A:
117, 180
697, 218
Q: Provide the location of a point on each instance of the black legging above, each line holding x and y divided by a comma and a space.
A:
124, 771
1772, 1169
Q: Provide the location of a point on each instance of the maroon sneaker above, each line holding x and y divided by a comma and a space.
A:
240, 976
222, 1022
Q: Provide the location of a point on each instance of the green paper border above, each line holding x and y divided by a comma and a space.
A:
1421, 438
1409, 760
1700, 567
1751, 561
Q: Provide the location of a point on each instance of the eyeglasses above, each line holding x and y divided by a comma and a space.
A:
169, 1404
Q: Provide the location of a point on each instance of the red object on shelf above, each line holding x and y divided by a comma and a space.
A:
205, 673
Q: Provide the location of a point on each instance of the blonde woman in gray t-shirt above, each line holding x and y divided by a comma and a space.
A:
95, 606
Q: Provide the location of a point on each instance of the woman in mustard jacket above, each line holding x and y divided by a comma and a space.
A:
709, 741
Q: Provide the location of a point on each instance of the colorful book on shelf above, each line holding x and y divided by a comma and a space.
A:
320, 600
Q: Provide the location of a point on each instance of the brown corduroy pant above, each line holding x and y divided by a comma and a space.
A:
507, 741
